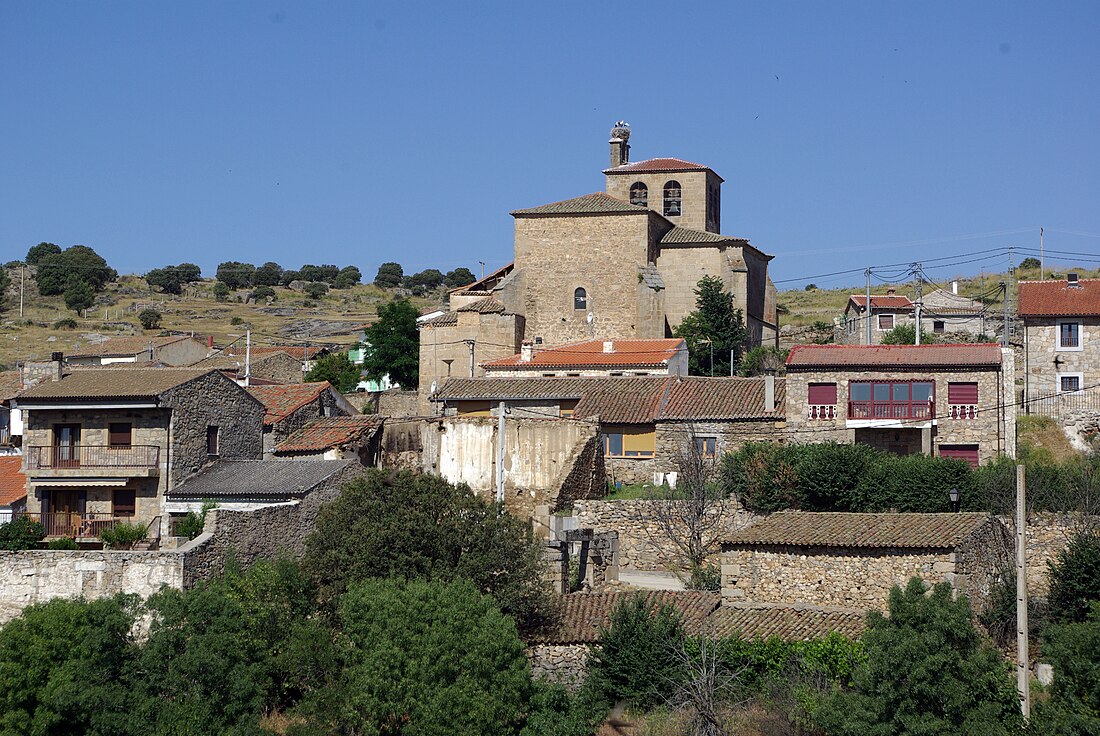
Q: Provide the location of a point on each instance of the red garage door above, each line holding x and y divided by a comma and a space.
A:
968, 453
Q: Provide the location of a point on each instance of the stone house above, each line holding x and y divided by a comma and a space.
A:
594, 358
104, 446
888, 311
263, 369
304, 355
171, 350
290, 407
355, 437
947, 400
643, 422
853, 560
1061, 344
622, 263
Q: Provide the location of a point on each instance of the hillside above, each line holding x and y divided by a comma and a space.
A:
335, 319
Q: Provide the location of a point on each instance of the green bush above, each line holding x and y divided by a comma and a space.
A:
62, 543
122, 536
262, 292
192, 524
1075, 578
705, 577
221, 292
316, 289
1074, 705
999, 616
554, 711
66, 323
761, 663
22, 532
149, 318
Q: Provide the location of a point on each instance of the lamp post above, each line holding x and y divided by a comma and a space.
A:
953, 494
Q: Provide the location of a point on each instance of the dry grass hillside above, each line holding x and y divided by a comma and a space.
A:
292, 318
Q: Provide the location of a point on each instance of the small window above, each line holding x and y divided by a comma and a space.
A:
938, 327
822, 394
673, 199
639, 194
967, 453
212, 436
707, 446
613, 446
580, 298
123, 502
1068, 382
1069, 335
886, 321
120, 434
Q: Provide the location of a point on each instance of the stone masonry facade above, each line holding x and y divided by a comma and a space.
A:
1045, 361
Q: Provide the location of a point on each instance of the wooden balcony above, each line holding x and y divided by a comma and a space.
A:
75, 525
891, 410
85, 460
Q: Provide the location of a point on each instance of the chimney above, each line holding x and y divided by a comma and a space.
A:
58, 360
620, 144
891, 291
526, 351
209, 342
769, 390
955, 287
609, 346
1071, 279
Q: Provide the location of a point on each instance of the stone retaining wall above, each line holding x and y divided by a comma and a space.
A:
564, 664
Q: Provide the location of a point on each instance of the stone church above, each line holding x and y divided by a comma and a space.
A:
622, 263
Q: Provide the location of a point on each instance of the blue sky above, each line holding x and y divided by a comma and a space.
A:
358, 132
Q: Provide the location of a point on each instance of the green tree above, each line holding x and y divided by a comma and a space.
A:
714, 328
64, 666
906, 334
40, 251
1074, 706
269, 274
236, 275
424, 281
189, 272
221, 291
389, 275
393, 345
22, 532
149, 318
1029, 263
1075, 578
79, 295
459, 277
927, 672
57, 271
316, 289
756, 360
424, 657
337, 370
262, 292
348, 277
5, 282
420, 526
290, 277
166, 279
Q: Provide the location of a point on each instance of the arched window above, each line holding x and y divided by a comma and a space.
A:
639, 194
672, 199
580, 299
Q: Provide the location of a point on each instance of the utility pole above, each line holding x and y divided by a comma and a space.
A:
1023, 684
867, 305
503, 409
471, 344
1041, 261
22, 267
920, 283
1008, 280
247, 354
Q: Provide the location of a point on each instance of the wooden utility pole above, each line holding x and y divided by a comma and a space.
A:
503, 409
1023, 684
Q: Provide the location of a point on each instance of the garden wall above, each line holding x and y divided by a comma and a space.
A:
564, 664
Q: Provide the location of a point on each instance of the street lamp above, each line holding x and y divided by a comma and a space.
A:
953, 494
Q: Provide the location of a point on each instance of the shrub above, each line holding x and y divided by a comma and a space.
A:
1029, 263
221, 292
999, 616
236, 321
554, 711
149, 318
192, 524
79, 295
62, 543
811, 287
1075, 578
762, 663
907, 335
66, 323
262, 292
122, 536
316, 289
1074, 706
22, 532
705, 577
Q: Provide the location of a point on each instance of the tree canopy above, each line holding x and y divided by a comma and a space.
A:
236, 275
40, 251
715, 328
389, 275
269, 274
1075, 578
459, 277
337, 370
393, 345
906, 334
57, 272
424, 281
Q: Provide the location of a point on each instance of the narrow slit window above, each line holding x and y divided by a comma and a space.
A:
580, 298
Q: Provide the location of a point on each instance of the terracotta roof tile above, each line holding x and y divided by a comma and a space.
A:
282, 400
10, 384
699, 398
1059, 299
488, 305
789, 623
882, 301
300, 352
581, 615
596, 203
894, 356
13, 484
837, 529
590, 354
112, 383
678, 235
124, 346
330, 432
657, 165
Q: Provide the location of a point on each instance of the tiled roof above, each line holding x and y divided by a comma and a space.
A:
258, 478
678, 235
282, 400
894, 356
789, 623
590, 354
657, 165
597, 203
1058, 299
487, 281
630, 400
488, 305
10, 384
836, 529
581, 615
112, 383
119, 347
13, 484
882, 301
329, 432
300, 352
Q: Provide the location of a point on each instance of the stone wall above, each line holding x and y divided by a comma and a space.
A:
693, 195
564, 664
325, 405
1040, 351
1047, 535
445, 352
643, 542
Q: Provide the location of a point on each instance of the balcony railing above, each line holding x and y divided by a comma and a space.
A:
963, 411
76, 525
61, 457
821, 411
919, 410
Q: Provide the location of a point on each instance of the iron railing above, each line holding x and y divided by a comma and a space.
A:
1058, 405
75, 525
61, 457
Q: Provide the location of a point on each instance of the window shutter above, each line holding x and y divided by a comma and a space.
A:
969, 453
120, 434
962, 393
822, 393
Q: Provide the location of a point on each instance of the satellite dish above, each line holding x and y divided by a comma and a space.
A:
591, 318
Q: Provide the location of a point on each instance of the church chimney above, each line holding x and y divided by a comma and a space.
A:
526, 351
620, 144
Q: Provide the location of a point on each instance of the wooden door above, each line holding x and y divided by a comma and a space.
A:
66, 445
66, 510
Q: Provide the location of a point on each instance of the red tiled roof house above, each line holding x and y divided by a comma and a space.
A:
594, 358
1061, 342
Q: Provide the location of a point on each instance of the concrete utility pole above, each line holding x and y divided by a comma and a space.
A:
1041, 262
502, 409
867, 306
471, 344
920, 283
22, 267
1023, 684
248, 355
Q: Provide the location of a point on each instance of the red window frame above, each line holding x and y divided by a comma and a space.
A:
877, 407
